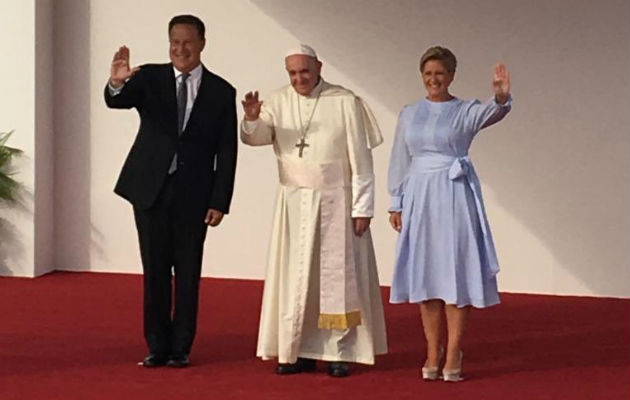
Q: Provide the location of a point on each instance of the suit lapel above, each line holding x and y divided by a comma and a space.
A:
204, 99
169, 88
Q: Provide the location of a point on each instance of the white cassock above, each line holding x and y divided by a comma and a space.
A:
322, 298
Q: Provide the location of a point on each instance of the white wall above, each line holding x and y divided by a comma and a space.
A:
555, 172
26, 242
17, 110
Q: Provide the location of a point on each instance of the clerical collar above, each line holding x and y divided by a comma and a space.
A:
194, 74
316, 90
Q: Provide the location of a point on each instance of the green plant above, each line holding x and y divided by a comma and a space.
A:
8, 185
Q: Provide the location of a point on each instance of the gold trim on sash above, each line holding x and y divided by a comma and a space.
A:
339, 321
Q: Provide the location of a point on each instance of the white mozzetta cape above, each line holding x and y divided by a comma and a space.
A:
322, 298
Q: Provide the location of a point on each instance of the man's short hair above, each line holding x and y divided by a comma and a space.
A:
442, 54
188, 19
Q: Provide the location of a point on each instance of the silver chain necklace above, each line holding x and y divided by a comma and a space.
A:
304, 130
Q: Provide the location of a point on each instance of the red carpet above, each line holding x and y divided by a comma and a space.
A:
78, 336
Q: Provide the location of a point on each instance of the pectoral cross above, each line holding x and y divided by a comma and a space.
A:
302, 145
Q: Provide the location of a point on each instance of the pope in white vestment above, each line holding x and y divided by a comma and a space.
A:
321, 299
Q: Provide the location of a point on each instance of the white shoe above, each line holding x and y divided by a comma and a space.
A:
432, 373
454, 375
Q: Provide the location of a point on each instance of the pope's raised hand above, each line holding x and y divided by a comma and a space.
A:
501, 83
251, 106
120, 70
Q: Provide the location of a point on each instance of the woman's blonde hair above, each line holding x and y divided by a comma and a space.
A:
442, 54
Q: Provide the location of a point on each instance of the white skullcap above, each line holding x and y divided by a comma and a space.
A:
303, 49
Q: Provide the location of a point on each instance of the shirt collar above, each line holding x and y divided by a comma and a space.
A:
195, 74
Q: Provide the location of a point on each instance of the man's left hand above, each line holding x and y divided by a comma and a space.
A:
361, 224
213, 217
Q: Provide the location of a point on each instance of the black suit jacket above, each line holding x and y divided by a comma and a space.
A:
206, 150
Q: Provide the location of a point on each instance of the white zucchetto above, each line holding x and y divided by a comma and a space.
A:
303, 49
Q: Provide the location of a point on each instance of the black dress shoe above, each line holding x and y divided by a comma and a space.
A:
178, 361
153, 360
301, 365
338, 369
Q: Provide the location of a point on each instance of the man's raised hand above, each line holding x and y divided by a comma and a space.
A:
251, 106
120, 70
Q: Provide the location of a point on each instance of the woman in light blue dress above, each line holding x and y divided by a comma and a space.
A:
445, 257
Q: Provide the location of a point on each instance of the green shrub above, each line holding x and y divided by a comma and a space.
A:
8, 185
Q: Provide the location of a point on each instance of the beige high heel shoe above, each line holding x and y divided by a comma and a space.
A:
454, 375
431, 373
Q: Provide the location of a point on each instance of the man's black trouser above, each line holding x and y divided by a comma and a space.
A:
171, 240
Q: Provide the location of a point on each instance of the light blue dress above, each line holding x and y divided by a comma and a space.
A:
445, 249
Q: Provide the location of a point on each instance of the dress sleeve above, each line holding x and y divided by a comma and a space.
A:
399, 162
481, 115
361, 164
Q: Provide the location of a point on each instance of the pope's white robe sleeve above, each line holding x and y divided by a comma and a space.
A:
259, 132
360, 158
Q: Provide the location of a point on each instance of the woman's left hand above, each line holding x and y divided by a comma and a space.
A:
395, 220
501, 83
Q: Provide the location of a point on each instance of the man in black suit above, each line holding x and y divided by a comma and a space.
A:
179, 177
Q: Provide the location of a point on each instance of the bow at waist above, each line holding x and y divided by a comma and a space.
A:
457, 166
461, 166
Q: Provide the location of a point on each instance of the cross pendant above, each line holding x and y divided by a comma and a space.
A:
302, 145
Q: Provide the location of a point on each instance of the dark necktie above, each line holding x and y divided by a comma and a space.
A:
182, 97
